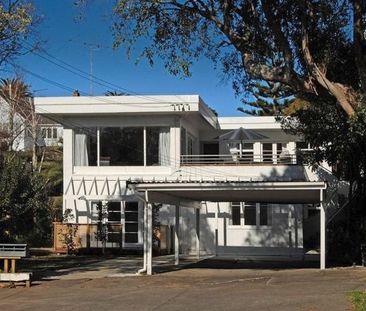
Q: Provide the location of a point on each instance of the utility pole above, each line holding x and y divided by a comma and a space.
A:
92, 47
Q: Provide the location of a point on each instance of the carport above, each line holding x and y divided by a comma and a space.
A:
192, 193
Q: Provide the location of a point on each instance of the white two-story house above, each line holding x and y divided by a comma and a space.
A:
220, 197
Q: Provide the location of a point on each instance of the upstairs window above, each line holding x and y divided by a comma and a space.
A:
122, 146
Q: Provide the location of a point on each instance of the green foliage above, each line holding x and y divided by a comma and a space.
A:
340, 141
358, 300
270, 99
68, 235
24, 213
335, 138
256, 44
102, 227
17, 20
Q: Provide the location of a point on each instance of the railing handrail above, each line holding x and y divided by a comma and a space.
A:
237, 158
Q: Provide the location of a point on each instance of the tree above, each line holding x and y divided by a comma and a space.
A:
17, 20
22, 116
14, 92
270, 99
23, 203
115, 93
102, 227
278, 41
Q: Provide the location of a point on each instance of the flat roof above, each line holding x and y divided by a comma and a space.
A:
128, 104
250, 122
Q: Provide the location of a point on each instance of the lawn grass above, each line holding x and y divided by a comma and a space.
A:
358, 300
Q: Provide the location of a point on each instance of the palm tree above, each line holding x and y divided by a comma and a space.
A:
115, 93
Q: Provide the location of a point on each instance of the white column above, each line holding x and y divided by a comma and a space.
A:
176, 235
322, 233
257, 151
149, 239
198, 232
145, 236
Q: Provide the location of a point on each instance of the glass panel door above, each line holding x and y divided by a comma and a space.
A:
131, 226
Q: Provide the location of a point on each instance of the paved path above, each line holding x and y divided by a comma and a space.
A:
195, 288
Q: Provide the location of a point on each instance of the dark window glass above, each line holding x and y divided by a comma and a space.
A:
131, 227
152, 146
250, 214
265, 214
114, 211
131, 237
54, 133
267, 152
247, 153
131, 216
114, 233
235, 213
44, 132
49, 133
121, 146
131, 206
183, 144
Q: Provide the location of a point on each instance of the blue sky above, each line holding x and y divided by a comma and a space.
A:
68, 38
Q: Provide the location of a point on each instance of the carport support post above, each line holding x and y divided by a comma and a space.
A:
198, 232
145, 237
322, 233
149, 239
176, 235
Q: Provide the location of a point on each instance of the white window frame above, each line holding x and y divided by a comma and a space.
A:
144, 143
242, 219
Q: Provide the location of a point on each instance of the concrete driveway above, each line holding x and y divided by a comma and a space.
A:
208, 285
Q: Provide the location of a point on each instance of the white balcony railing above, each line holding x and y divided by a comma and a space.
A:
235, 159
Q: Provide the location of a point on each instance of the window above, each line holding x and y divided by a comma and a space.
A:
267, 152
183, 141
131, 226
49, 132
265, 214
122, 146
190, 145
250, 214
157, 146
114, 212
302, 145
235, 213
85, 147
254, 214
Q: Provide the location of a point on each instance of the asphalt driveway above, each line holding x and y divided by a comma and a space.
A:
209, 285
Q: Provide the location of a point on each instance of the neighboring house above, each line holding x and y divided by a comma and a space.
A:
130, 152
50, 131
21, 136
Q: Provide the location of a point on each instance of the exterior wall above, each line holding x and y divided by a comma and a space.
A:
283, 238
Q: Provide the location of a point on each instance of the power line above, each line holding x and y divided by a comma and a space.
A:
83, 74
89, 76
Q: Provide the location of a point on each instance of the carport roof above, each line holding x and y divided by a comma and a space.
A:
228, 191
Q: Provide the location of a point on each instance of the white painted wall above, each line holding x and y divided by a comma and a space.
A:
283, 238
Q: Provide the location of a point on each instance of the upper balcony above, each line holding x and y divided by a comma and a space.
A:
235, 159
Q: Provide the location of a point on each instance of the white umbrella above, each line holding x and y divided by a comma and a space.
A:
243, 135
